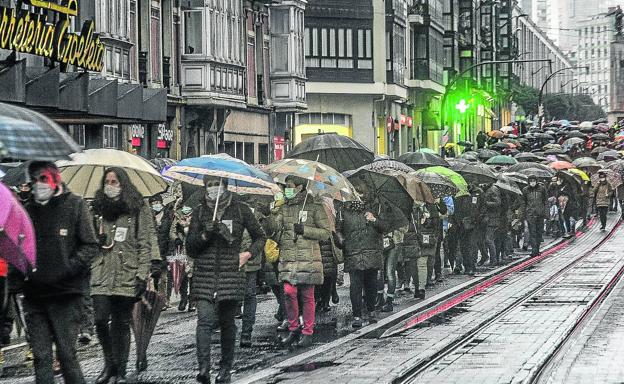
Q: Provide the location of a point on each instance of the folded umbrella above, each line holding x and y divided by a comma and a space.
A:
145, 315
84, 172
17, 236
419, 160
342, 153
28, 135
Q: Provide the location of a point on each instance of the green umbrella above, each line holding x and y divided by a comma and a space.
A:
455, 177
501, 160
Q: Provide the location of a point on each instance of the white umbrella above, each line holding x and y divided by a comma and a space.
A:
83, 174
507, 129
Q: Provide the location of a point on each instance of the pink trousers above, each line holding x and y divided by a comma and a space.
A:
292, 293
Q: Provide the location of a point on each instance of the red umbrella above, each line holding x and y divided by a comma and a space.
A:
561, 165
17, 236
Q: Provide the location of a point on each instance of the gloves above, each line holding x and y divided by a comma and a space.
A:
140, 286
156, 269
298, 228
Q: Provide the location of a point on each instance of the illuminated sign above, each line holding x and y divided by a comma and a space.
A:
462, 107
27, 32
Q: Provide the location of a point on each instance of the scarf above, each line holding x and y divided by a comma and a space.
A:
224, 202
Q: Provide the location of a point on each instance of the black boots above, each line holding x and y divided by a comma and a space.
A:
305, 342
420, 294
107, 373
203, 376
289, 340
224, 376
245, 340
388, 307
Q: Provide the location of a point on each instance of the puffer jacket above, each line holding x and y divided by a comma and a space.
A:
300, 261
535, 202
363, 240
134, 246
216, 272
327, 256
602, 195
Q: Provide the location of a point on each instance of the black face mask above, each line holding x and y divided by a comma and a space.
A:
24, 195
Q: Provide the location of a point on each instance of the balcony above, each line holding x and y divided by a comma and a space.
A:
417, 10
419, 69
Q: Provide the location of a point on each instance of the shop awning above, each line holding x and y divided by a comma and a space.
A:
130, 101
153, 100
42, 86
103, 97
74, 92
12, 80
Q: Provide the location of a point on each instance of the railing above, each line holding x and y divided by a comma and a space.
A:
417, 7
419, 69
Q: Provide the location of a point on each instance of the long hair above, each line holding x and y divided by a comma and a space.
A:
130, 200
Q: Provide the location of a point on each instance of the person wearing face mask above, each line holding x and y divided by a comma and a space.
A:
214, 241
125, 227
53, 292
301, 227
602, 198
163, 216
177, 255
535, 210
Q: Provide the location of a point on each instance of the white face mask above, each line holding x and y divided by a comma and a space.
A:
214, 191
42, 192
532, 183
112, 191
157, 207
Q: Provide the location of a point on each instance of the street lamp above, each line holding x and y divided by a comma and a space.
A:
540, 107
567, 82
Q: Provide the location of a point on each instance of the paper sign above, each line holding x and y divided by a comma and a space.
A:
121, 234
303, 216
228, 224
426, 239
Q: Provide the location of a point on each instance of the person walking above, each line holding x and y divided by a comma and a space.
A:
214, 241
493, 218
469, 208
53, 292
301, 223
535, 208
391, 257
602, 198
119, 273
163, 216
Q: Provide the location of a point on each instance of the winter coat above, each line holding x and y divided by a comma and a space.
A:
300, 261
494, 209
216, 272
66, 244
602, 194
163, 230
363, 240
468, 209
114, 271
411, 243
535, 202
255, 263
327, 256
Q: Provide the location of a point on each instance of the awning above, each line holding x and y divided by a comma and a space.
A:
12, 80
130, 101
153, 101
74, 91
103, 97
42, 86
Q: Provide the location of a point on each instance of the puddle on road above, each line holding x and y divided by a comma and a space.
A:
308, 367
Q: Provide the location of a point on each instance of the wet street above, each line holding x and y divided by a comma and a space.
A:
552, 319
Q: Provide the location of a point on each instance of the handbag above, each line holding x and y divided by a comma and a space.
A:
271, 249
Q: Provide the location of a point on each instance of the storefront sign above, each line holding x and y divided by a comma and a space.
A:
278, 147
137, 131
410, 122
27, 32
402, 119
165, 137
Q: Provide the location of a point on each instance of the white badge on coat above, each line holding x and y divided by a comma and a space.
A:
474, 200
303, 216
386, 242
121, 234
426, 239
228, 224
63, 232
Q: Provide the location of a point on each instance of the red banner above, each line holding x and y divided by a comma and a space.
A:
278, 147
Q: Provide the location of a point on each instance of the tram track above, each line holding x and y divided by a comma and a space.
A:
465, 341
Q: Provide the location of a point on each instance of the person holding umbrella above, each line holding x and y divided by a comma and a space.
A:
603, 193
214, 240
125, 228
66, 243
535, 208
493, 217
301, 223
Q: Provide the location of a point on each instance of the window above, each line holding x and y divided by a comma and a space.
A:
328, 48
193, 32
77, 132
110, 136
280, 21
155, 44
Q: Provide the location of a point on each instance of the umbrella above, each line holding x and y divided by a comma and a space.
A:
145, 315
517, 178
552, 147
465, 143
554, 151
600, 136
587, 163
17, 236
537, 172
322, 179
569, 143
609, 155
527, 157
161, 163
499, 146
477, 173
613, 177
579, 173
506, 184
17, 175
617, 166
586, 129
598, 150
440, 185
418, 160
342, 153
385, 165
83, 173
28, 135
455, 177
427, 150
496, 134
470, 156
586, 124
576, 135
484, 154
571, 179
507, 129
561, 165
501, 160
521, 166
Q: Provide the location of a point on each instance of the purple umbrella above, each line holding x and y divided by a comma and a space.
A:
17, 236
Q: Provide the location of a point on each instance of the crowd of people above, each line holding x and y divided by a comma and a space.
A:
95, 259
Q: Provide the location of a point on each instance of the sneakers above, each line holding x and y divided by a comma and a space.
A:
357, 322
305, 341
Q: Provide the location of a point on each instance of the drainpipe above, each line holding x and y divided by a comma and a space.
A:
375, 101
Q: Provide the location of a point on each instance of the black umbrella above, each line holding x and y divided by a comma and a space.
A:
145, 315
587, 129
470, 156
609, 155
499, 146
508, 185
600, 136
28, 135
598, 150
576, 134
543, 136
537, 172
527, 156
571, 179
419, 160
518, 178
383, 165
16, 175
161, 163
440, 185
474, 172
522, 166
339, 152
485, 154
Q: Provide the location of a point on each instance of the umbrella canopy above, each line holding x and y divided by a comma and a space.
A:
527, 165
500, 146
588, 163
84, 172
617, 166
17, 236
554, 151
598, 150
517, 178
501, 160
586, 124
561, 165
418, 160
613, 177
384, 165
543, 136
527, 157
426, 150
470, 156
507, 129
579, 173
496, 134
576, 135
600, 136
507, 184
342, 153
28, 135
455, 177
440, 185
323, 180
484, 154
17, 175
548, 147
161, 163
609, 155
569, 143
474, 172
537, 172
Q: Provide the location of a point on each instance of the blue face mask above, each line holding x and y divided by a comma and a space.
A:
157, 207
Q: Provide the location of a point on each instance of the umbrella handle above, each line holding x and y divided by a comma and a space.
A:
214, 214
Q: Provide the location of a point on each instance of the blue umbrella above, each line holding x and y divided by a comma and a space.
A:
242, 177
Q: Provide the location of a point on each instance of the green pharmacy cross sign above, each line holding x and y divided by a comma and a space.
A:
462, 106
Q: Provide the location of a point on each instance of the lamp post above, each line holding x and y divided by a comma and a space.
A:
540, 107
